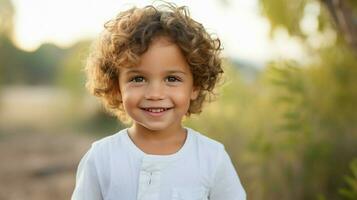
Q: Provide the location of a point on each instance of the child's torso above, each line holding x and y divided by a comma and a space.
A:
125, 171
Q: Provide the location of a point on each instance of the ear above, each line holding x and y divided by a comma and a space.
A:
194, 93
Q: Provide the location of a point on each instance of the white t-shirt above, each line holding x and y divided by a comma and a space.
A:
114, 168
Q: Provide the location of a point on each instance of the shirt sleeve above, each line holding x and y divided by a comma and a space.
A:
226, 184
87, 183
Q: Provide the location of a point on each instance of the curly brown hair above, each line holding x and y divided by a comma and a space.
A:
126, 37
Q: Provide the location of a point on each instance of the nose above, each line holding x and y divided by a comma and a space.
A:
155, 91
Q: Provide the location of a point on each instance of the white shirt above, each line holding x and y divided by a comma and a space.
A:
114, 168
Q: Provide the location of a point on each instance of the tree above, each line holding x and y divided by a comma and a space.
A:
345, 18
341, 15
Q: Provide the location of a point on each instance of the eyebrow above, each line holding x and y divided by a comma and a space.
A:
130, 71
175, 71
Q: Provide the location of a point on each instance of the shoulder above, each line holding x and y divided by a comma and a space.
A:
109, 140
205, 142
208, 149
105, 146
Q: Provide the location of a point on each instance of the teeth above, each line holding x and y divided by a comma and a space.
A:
156, 110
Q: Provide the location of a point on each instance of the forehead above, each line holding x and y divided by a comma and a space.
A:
162, 55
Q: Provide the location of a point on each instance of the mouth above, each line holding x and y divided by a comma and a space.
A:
156, 111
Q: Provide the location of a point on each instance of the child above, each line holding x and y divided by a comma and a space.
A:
154, 65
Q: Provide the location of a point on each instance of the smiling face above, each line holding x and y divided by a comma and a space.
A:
156, 94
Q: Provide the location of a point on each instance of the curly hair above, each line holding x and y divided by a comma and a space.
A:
126, 37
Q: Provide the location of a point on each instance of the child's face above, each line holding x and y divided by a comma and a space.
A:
156, 94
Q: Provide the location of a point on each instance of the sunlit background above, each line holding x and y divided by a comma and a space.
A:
286, 111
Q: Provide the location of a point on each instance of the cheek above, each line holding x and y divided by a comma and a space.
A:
182, 98
130, 98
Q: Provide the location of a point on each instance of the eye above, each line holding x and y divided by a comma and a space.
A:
137, 79
173, 79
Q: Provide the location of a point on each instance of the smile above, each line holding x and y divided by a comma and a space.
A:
156, 110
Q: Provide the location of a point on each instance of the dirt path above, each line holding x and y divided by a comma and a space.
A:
40, 166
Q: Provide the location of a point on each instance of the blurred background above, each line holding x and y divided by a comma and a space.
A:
286, 111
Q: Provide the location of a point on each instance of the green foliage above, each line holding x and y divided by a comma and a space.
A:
48, 65
284, 13
289, 15
290, 80
318, 117
317, 105
71, 75
32, 68
350, 192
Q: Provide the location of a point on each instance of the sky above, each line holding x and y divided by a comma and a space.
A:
243, 31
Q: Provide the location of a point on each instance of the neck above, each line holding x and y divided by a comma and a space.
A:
138, 131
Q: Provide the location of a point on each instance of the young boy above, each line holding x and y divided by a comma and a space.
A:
155, 65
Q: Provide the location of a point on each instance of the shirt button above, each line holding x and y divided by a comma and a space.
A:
150, 177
